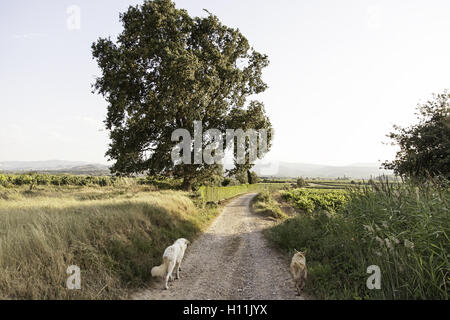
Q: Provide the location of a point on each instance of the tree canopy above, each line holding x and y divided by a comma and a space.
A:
425, 146
167, 70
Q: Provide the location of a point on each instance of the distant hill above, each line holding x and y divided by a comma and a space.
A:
355, 171
283, 169
54, 166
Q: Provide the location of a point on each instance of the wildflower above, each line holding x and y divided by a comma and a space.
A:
396, 241
384, 223
368, 228
409, 244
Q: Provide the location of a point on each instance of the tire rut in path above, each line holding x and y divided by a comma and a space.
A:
231, 260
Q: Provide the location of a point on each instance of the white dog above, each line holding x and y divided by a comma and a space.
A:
172, 258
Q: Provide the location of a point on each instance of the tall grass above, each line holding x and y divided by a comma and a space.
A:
114, 235
265, 204
402, 228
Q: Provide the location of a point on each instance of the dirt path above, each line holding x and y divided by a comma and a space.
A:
230, 261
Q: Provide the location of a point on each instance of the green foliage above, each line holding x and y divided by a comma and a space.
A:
403, 229
253, 177
226, 182
215, 194
167, 70
311, 199
229, 182
301, 183
253, 118
80, 180
159, 182
264, 204
425, 146
242, 177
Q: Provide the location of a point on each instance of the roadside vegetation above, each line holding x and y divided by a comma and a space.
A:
402, 228
310, 200
114, 234
265, 204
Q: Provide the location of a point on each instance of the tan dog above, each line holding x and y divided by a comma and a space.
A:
299, 270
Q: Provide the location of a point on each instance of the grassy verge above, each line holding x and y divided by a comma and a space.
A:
264, 204
115, 235
400, 228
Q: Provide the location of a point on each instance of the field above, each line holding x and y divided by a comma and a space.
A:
310, 200
401, 228
114, 229
114, 234
36, 179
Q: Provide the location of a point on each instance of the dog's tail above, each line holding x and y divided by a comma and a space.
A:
161, 270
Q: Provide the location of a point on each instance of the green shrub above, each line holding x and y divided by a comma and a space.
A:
309, 200
83, 180
301, 183
3, 180
264, 204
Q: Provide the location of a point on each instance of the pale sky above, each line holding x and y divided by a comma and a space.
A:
341, 73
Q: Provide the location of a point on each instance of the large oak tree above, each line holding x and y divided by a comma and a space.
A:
165, 71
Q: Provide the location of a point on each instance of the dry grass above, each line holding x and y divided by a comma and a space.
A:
115, 235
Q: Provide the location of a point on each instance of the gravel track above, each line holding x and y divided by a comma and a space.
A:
231, 260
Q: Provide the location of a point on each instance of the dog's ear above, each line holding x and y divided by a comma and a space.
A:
296, 251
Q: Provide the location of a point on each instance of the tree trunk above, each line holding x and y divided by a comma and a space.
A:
187, 184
